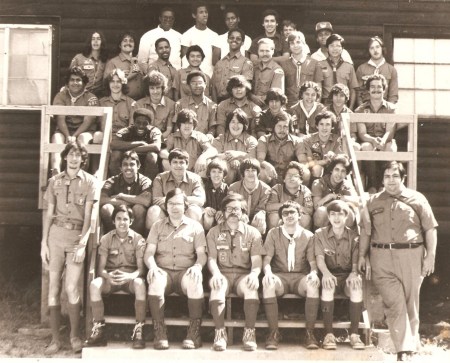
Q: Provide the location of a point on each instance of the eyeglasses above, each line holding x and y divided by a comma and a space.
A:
286, 213
232, 209
175, 204
293, 175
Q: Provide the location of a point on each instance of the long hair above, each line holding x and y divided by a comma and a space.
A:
103, 49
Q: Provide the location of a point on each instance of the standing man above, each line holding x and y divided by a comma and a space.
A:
323, 32
233, 63
234, 259
267, 74
402, 239
200, 35
163, 65
70, 196
336, 70
270, 20
175, 256
221, 48
147, 52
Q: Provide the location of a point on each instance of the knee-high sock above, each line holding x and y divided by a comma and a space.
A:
195, 307
327, 314
271, 310
156, 305
55, 320
74, 317
98, 310
251, 311
140, 310
217, 309
355, 315
311, 309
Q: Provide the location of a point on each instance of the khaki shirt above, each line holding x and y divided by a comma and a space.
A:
71, 195
340, 254
228, 67
312, 146
377, 129
345, 74
244, 142
205, 111
183, 88
235, 252
191, 185
195, 145
279, 194
122, 255
266, 77
167, 69
256, 200
122, 110
322, 187
302, 121
176, 246
164, 112
251, 109
401, 219
276, 246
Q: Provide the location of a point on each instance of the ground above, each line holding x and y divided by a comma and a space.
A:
21, 334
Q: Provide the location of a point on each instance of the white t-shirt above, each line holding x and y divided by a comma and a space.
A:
319, 56
205, 40
147, 53
222, 43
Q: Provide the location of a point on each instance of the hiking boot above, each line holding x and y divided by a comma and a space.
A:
193, 339
310, 340
160, 342
138, 336
273, 339
97, 338
329, 342
220, 340
356, 343
53, 347
76, 344
249, 339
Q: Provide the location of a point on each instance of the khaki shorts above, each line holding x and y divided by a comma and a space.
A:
290, 281
61, 243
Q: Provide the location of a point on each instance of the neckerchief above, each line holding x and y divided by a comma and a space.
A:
291, 247
335, 67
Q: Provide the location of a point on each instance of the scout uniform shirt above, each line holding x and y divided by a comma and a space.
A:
183, 88
276, 246
304, 122
122, 110
344, 73
70, 195
256, 199
164, 111
94, 69
152, 135
176, 246
214, 196
313, 147
167, 69
267, 76
377, 129
244, 142
205, 111
251, 109
233, 253
122, 255
399, 219
322, 187
339, 254
280, 194
117, 184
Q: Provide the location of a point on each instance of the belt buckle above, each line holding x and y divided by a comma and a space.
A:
68, 225
390, 246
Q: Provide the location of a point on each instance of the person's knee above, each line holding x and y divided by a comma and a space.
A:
157, 285
305, 221
366, 146
328, 294
356, 294
320, 217
316, 171
273, 220
98, 137
194, 289
194, 212
350, 220
139, 288
85, 138
139, 211
58, 138
154, 213
312, 290
72, 290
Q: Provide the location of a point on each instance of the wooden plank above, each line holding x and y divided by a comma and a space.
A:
19, 218
18, 177
75, 110
17, 204
388, 118
384, 155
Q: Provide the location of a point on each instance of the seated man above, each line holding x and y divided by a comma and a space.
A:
319, 148
334, 186
175, 256
141, 138
276, 150
234, 260
238, 89
177, 177
130, 188
197, 101
254, 191
216, 189
376, 136
294, 272
291, 189
276, 103
72, 128
194, 142
336, 248
120, 268
162, 106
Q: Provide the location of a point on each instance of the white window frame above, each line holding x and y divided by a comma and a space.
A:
6, 66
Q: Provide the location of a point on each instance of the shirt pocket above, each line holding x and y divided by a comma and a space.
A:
80, 198
262, 87
130, 255
187, 245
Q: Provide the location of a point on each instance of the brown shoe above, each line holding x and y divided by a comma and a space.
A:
160, 341
193, 339
310, 340
138, 336
76, 344
53, 348
273, 340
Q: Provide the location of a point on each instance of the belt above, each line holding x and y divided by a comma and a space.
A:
68, 225
396, 246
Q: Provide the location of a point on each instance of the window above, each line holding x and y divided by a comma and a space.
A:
423, 67
25, 65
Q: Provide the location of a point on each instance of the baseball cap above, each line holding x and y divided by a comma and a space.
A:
143, 112
324, 25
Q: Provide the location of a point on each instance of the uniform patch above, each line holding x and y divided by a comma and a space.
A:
223, 256
377, 211
222, 237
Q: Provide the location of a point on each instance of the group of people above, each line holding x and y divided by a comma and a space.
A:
244, 171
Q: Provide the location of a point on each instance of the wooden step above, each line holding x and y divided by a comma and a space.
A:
21, 218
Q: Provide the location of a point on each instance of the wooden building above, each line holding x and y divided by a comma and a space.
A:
416, 32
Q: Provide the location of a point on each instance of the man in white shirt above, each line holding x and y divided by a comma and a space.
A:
200, 35
221, 47
147, 52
